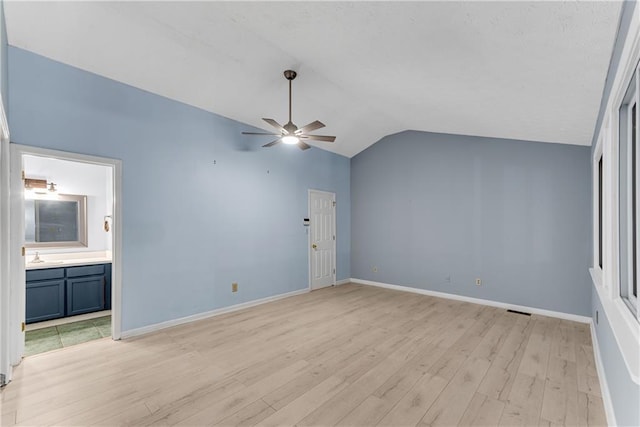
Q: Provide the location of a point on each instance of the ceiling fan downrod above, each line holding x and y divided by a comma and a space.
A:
290, 75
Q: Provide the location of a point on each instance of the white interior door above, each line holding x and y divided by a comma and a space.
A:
322, 250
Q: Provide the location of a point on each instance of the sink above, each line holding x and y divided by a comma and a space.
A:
66, 260
42, 262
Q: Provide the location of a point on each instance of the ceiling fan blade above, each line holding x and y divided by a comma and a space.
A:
323, 138
260, 133
310, 127
271, 144
276, 125
303, 146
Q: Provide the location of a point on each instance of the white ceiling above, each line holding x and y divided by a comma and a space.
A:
521, 70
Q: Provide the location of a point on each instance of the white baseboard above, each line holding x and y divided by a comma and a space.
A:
175, 322
532, 310
342, 282
604, 386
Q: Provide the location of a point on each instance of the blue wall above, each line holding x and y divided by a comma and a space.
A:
4, 49
203, 205
515, 214
625, 394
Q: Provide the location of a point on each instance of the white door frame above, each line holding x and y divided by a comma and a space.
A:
16, 233
5, 364
310, 234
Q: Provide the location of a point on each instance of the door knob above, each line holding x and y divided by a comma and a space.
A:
314, 246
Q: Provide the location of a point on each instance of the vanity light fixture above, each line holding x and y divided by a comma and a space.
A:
35, 184
39, 188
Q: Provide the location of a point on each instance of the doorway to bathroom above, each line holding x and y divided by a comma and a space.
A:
65, 242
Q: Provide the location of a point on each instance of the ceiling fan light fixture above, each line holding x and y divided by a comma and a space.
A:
290, 133
290, 139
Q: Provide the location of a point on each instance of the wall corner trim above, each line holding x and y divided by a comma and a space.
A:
532, 310
207, 314
604, 385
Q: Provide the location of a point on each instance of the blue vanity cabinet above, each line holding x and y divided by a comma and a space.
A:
45, 295
86, 289
107, 289
67, 291
85, 295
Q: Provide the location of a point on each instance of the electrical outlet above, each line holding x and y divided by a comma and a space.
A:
234, 287
375, 269
478, 281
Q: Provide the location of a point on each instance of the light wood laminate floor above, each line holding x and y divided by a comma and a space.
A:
349, 355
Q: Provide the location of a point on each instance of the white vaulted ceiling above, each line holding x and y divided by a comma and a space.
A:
521, 70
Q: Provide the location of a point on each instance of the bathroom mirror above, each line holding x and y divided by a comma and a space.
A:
59, 222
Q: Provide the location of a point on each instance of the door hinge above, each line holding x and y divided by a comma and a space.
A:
23, 176
334, 237
334, 271
23, 326
334, 203
23, 251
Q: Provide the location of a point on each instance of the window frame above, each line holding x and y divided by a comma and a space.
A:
598, 269
629, 105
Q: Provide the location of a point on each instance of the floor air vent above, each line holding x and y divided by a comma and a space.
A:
519, 312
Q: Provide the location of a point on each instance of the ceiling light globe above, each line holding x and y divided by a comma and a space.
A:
290, 139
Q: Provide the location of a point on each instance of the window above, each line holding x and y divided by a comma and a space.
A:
601, 221
600, 212
628, 167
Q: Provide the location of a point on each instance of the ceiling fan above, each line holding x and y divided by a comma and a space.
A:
290, 133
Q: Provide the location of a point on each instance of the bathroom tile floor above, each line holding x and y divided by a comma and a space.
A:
54, 337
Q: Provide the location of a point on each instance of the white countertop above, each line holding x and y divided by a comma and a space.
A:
67, 259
